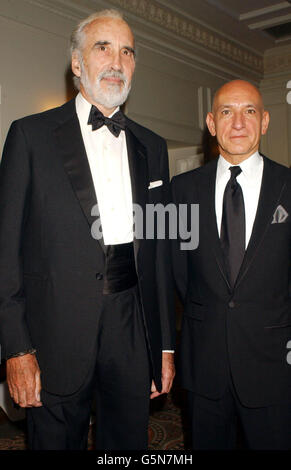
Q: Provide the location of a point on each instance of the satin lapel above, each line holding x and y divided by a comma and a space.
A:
138, 169
73, 153
270, 193
208, 224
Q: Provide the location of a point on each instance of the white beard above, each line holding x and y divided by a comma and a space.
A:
111, 98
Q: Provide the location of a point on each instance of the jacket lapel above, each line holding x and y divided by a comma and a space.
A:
72, 150
271, 190
138, 169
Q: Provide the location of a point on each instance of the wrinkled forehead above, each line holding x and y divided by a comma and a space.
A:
109, 29
238, 96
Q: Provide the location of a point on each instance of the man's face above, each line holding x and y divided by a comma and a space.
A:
238, 120
107, 63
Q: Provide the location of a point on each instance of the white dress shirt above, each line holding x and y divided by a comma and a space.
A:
108, 161
250, 180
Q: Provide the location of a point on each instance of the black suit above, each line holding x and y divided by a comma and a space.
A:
240, 334
52, 269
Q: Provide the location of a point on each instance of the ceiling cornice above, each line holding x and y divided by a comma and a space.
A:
278, 61
264, 11
155, 13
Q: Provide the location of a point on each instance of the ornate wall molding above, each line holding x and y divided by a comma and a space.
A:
153, 12
278, 63
168, 20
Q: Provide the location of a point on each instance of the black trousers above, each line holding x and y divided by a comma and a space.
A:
119, 379
215, 422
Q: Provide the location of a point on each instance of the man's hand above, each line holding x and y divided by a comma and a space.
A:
168, 374
23, 378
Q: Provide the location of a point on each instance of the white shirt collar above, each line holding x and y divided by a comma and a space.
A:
250, 167
83, 108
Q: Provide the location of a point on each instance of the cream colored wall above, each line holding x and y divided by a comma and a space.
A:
173, 86
34, 60
175, 77
277, 143
170, 97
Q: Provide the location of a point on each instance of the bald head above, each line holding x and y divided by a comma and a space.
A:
237, 88
238, 120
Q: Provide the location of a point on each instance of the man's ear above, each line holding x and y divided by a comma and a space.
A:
265, 122
211, 124
76, 64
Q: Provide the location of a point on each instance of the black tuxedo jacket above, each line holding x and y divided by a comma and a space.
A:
51, 266
245, 329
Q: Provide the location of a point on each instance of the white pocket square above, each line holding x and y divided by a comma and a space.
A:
280, 215
155, 184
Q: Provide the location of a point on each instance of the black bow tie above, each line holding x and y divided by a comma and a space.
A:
114, 124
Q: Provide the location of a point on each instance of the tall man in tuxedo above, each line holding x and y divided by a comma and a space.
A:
80, 315
236, 284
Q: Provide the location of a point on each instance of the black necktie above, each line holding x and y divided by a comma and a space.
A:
114, 124
232, 234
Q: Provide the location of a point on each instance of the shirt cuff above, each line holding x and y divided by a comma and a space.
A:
22, 353
168, 351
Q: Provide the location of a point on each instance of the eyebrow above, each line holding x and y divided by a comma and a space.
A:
106, 43
250, 105
130, 49
101, 43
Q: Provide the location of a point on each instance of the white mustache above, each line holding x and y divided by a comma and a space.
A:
112, 73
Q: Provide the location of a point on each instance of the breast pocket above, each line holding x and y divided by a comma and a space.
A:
280, 229
155, 194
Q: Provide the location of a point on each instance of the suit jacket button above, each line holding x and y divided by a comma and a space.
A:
99, 276
231, 304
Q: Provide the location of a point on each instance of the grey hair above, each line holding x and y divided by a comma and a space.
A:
77, 37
